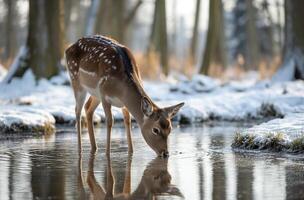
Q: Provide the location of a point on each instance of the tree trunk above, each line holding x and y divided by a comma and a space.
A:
10, 42
118, 13
214, 52
158, 37
163, 38
195, 33
113, 20
293, 65
44, 46
252, 48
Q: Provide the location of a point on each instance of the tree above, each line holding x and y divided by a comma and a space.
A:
252, 48
113, 18
158, 37
255, 35
44, 46
193, 44
10, 42
214, 50
293, 63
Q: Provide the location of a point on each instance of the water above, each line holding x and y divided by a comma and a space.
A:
201, 166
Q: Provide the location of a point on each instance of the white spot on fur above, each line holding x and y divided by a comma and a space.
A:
87, 72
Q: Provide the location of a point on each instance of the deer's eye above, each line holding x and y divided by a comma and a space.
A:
155, 131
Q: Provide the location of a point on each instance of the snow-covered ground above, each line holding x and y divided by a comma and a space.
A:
206, 99
285, 134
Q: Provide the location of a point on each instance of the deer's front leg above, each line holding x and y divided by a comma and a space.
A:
127, 122
127, 181
97, 190
109, 121
90, 107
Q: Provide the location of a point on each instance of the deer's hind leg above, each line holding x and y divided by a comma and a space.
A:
80, 95
127, 122
90, 107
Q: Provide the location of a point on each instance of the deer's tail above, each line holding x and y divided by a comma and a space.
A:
72, 55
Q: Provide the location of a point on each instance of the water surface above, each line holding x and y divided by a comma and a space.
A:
201, 166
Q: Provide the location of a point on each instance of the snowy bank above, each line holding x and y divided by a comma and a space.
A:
285, 134
14, 119
206, 98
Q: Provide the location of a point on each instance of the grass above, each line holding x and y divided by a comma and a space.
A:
244, 141
271, 142
297, 145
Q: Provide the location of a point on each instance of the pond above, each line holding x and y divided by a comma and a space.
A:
201, 165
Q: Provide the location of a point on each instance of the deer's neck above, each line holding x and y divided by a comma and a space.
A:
132, 98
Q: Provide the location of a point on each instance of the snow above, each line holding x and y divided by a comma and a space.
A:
292, 126
206, 98
19, 58
278, 134
24, 118
3, 72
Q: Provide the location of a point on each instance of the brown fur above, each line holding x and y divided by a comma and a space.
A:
107, 71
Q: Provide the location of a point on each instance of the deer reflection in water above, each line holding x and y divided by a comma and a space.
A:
155, 181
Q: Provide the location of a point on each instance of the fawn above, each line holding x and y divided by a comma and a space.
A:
107, 71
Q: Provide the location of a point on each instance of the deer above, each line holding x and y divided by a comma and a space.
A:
155, 181
107, 71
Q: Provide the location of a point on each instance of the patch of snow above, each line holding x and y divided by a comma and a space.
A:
291, 126
286, 71
24, 118
205, 98
276, 134
14, 67
18, 86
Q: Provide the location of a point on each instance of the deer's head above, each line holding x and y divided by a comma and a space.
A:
156, 126
157, 179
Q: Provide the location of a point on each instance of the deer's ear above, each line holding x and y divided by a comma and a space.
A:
173, 190
171, 111
146, 106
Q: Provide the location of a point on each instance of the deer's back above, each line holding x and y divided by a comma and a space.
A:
97, 60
